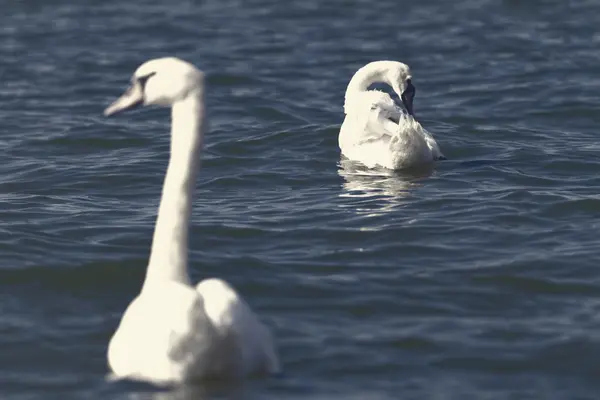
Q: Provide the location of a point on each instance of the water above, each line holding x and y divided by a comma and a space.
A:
478, 280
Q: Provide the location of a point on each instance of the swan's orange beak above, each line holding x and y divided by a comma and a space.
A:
133, 97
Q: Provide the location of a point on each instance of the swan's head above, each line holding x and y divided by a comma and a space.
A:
400, 78
161, 82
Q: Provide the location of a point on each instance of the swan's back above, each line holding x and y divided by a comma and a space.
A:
175, 333
165, 335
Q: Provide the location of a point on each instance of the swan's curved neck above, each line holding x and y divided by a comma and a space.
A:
365, 77
371, 73
169, 254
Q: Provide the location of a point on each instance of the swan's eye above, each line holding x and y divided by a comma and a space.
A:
144, 79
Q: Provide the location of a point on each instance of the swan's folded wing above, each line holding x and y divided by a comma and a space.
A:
435, 148
233, 318
374, 116
381, 123
192, 336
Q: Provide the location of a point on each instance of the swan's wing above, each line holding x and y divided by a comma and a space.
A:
387, 121
233, 318
369, 117
408, 122
382, 123
195, 344
388, 110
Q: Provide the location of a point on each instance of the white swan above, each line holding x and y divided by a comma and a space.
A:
376, 132
172, 331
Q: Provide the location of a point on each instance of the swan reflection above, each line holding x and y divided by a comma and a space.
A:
377, 191
196, 391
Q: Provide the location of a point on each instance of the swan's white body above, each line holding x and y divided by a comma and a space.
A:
376, 131
172, 331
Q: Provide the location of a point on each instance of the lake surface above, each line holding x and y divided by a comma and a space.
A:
477, 280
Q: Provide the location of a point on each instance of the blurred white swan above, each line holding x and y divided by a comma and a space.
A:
172, 331
376, 131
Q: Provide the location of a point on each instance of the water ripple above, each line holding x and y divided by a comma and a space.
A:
476, 278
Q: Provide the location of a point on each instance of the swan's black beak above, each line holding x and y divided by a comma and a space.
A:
133, 97
407, 96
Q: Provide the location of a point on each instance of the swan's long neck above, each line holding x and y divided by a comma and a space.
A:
169, 254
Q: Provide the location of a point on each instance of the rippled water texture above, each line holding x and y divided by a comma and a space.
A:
477, 280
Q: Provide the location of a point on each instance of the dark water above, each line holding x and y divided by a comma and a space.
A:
478, 280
